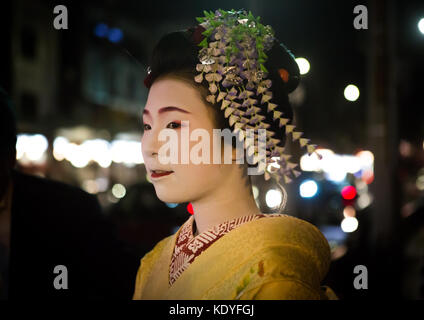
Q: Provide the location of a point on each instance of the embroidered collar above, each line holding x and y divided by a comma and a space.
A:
188, 246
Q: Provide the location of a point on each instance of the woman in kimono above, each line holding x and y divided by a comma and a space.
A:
228, 72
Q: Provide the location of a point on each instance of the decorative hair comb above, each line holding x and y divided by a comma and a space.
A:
232, 57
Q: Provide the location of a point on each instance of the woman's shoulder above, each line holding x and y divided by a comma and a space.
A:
286, 232
289, 227
150, 256
146, 265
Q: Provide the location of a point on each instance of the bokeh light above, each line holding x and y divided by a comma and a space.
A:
115, 35
421, 25
31, 148
255, 191
190, 208
351, 92
304, 65
101, 30
349, 224
119, 191
349, 211
273, 198
349, 192
308, 189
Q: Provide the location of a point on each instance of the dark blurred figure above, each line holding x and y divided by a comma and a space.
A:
341, 276
143, 220
413, 253
44, 224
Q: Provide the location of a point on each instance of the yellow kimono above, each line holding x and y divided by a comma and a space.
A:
279, 257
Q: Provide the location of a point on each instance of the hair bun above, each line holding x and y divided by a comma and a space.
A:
281, 62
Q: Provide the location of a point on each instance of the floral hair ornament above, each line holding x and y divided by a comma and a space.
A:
232, 56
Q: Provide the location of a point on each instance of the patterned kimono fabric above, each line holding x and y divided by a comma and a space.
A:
188, 247
264, 256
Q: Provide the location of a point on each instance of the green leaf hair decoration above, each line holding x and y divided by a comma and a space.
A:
239, 24
232, 59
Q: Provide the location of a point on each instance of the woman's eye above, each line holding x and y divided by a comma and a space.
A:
174, 125
171, 125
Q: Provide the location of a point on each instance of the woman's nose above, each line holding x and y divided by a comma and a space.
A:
150, 143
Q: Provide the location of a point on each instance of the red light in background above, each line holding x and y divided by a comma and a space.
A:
349, 192
190, 208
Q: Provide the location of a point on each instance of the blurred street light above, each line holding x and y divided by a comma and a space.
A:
421, 25
31, 148
119, 191
304, 65
101, 30
351, 92
308, 189
349, 224
273, 198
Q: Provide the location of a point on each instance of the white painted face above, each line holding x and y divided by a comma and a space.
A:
171, 101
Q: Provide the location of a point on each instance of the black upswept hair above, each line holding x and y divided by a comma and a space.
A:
176, 54
7, 125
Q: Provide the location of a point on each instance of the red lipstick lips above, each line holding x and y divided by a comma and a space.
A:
160, 174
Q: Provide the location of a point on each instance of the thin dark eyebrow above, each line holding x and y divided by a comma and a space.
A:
166, 109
